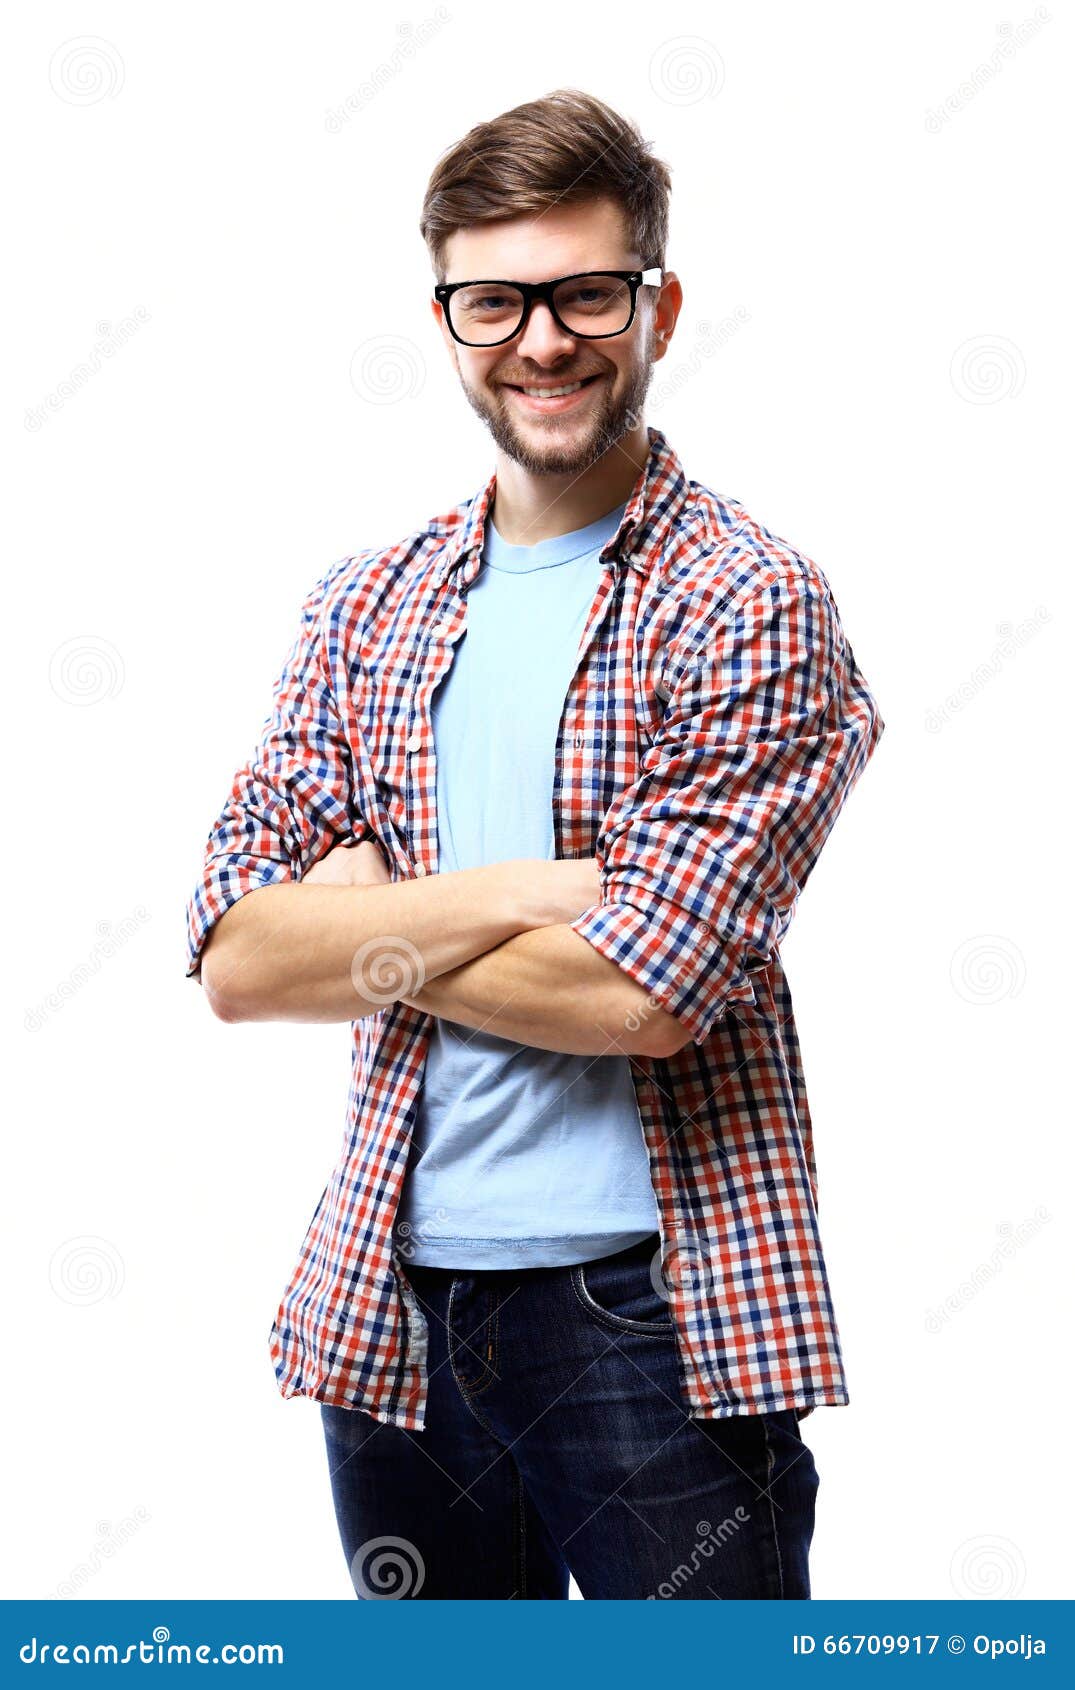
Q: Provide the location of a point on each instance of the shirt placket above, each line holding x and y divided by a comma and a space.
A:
598, 728
580, 741
446, 629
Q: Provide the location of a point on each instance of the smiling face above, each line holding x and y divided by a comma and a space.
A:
562, 435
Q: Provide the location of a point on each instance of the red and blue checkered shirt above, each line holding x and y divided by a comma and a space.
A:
714, 726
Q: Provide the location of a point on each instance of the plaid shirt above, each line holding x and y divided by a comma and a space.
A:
711, 733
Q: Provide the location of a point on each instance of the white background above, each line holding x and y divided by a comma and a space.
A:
881, 218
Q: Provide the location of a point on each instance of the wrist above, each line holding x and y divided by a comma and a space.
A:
521, 894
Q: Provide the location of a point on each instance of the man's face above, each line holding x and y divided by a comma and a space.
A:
565, 440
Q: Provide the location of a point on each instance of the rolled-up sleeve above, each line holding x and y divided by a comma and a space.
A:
768, 725
292, 800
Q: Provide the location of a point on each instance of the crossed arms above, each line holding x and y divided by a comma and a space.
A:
699, 861
489, 948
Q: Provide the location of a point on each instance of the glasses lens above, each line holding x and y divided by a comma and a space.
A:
486, 312
596, 304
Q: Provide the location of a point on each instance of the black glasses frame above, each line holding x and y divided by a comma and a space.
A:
544, 291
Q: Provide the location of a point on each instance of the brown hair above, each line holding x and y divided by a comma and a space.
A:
564, 149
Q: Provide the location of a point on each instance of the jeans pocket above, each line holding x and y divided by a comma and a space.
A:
625, 1292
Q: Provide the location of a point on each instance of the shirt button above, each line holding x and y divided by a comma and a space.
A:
419, 868
441, 630
414, 743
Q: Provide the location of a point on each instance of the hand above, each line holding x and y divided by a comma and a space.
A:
557, 890
542, 892
349, 865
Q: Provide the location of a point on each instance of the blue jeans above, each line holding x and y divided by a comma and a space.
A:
556, 1442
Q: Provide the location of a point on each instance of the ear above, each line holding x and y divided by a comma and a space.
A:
669, 304
442, 323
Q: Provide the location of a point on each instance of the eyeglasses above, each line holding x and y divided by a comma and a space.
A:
592, 303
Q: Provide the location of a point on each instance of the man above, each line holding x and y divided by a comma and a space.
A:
540, 788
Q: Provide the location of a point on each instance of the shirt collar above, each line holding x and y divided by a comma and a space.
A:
657, 497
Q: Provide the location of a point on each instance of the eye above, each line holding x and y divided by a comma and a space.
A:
591, 294
486, 302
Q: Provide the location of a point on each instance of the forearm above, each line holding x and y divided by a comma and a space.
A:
550, 989
295, 952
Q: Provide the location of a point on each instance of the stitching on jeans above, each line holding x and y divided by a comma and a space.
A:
616, 1322
519, 1556
469, 1355
520, 1520
492, 1329
769, 1464
460, 1387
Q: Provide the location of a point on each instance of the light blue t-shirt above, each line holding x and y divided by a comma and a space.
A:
520, 1157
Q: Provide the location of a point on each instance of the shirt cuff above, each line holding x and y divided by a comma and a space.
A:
675, 956
227, 879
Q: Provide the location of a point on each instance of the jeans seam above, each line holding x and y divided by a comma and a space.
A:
492, 1328
769, 1464
520, 1521
460, 1387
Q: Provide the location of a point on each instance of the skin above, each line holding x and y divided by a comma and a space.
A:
490, 947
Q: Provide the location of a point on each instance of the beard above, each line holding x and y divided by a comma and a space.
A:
570, 443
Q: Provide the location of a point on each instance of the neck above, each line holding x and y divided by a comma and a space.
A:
528, 508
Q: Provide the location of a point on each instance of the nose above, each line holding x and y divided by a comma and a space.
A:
543, 339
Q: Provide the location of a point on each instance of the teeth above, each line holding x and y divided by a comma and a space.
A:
551, 392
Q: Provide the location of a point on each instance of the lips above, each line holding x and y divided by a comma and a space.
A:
557, 404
